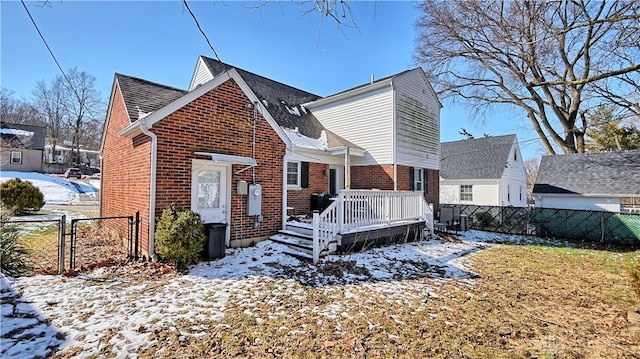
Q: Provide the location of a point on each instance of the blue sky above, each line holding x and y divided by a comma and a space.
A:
159, 41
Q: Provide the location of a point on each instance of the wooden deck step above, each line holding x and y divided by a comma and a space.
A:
299, 244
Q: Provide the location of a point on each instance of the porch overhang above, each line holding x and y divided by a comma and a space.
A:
222, 158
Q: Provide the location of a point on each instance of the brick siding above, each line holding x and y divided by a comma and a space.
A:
300, 199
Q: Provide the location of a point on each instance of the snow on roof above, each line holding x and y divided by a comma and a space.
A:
13, 131
302, 141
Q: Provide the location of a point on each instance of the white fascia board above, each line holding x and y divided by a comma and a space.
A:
346, 95
220, 157
106, 121
340, 150
333, 151
132, 130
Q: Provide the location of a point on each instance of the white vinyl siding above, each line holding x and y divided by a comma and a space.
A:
201, 75
365, 120
417, 121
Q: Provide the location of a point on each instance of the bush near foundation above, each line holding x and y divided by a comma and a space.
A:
179, 236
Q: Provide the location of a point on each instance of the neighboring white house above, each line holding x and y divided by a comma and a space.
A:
63, 155
608, 181
486, 171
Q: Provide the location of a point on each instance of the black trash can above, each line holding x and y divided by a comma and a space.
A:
215, 243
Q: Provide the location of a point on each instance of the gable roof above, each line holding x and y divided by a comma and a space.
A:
480, 158
283, 102
30, 137
142, 96
611, 173
373, 85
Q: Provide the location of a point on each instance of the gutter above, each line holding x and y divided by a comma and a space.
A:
152, 187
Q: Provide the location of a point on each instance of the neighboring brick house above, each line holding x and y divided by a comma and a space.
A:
245, 150
22, 147
485, 171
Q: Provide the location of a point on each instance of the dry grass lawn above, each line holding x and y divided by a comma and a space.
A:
528, 302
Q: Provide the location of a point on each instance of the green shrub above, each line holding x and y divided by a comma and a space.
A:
484, 218
179, 236
21, 197
13, 255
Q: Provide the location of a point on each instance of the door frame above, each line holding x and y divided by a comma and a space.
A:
199, 164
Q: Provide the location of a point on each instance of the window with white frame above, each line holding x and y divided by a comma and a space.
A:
417, 179
16, 157
508, 193
466, 192
293, 174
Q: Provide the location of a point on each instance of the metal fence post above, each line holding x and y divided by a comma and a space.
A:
137, 235
61, 242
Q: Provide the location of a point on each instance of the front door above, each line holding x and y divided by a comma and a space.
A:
209, 192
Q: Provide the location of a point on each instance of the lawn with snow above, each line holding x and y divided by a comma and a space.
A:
256, 300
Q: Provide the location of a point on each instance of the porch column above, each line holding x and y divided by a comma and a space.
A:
347, 168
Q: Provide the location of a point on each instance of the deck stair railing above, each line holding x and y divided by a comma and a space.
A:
354, 210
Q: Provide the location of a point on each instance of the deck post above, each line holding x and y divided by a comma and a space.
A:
316, 237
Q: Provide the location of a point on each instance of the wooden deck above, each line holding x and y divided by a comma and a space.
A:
360, 218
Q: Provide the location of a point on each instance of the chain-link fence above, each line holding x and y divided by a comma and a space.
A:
54, 246
575, 225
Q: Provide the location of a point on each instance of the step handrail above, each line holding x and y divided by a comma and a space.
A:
325, 228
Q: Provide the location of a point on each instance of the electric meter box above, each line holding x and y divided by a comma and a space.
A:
254, 200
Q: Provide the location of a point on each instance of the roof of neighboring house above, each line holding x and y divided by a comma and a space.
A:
23, 136
142, 96
480, 158
283, 103
590, 174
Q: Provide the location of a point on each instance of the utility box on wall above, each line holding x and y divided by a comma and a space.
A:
254, 200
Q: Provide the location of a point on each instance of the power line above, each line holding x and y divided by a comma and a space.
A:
45, 43
200, 28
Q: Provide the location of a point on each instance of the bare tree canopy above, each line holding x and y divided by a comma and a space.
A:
555, 60
17, 111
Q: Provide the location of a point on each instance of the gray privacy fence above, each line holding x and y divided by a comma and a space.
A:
575, 225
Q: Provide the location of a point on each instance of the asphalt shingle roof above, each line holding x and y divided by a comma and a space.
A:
34, 142
283, 103
145, 96
480, 158
616, 173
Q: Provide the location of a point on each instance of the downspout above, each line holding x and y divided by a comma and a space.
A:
152, 188
393, 137
285, 159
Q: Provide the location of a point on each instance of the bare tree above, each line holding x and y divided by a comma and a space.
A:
554, 60
17, 111
82, 103
531, 168
50, 102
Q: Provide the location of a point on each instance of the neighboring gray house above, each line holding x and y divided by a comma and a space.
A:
484, 171
22, 147
607, 181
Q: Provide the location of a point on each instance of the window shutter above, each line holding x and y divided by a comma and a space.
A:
411, 179
304, 174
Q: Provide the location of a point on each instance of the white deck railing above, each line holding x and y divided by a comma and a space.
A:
357, 209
